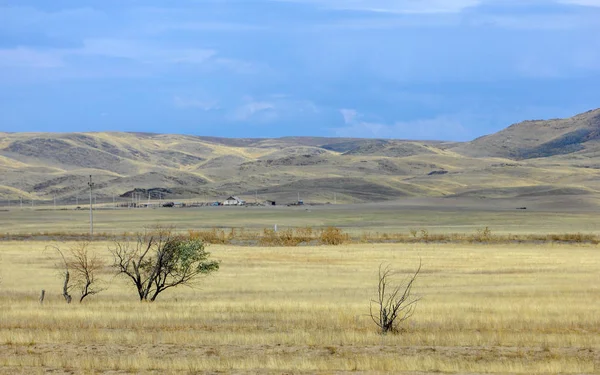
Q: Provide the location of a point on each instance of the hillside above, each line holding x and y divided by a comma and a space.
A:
532, 158
537, 139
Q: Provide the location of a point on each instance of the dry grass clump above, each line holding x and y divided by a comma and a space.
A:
327, 236
212, 236
63, 236
333, 236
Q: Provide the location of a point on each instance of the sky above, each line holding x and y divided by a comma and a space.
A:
406, 69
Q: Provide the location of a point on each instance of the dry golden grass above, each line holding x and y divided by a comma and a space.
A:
329, 235
485, 309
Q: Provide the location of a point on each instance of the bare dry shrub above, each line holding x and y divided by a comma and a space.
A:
269, 238
394, 304
333, 236
305, 234
80, 269
483, 235
214, 236
425, 235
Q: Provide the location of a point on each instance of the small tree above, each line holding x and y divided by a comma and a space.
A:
80, 269
161, 259
394, 303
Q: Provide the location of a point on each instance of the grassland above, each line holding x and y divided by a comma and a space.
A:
484, 309
529, 308
435, 215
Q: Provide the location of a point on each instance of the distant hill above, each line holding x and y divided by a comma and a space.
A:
537, 139
533, 158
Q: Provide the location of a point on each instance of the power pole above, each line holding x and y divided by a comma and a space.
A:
91, 185
21, 200
334, 198
55, 203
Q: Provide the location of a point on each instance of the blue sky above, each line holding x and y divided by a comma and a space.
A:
411, 69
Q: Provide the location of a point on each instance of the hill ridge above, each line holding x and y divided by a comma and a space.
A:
558, 155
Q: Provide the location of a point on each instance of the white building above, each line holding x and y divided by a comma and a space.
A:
233, 201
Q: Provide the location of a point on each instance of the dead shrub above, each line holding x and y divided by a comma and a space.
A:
214, 236
333, 236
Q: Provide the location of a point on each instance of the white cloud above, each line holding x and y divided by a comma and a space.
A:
255, 109
205, 105
30, 58
442, 127
395, 6
421, 6
126, 49
27, 18
144, 52
276, 107
588, 3
349, 115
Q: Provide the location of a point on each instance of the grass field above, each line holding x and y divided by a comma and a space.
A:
566, 215
484, 309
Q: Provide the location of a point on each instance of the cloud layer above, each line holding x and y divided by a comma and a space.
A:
378, 68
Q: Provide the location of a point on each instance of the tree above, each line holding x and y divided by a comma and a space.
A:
80, 269
160, 259
394, 304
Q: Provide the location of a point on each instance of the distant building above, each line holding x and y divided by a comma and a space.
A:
270, 203
233, 201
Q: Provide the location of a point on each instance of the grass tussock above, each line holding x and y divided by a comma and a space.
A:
330, 235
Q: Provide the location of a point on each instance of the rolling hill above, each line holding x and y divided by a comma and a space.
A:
538, 139
534, 158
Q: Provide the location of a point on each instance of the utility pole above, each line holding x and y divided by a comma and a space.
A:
55, 203
21, 200
91, 185
114, 204
334, 198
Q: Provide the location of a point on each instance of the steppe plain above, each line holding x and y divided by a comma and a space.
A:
524, 304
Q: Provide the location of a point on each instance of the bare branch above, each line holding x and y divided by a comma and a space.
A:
393, 308
64, 274
80, 271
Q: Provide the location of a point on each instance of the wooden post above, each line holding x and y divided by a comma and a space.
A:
42, 295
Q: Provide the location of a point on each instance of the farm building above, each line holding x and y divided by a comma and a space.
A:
233, 201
